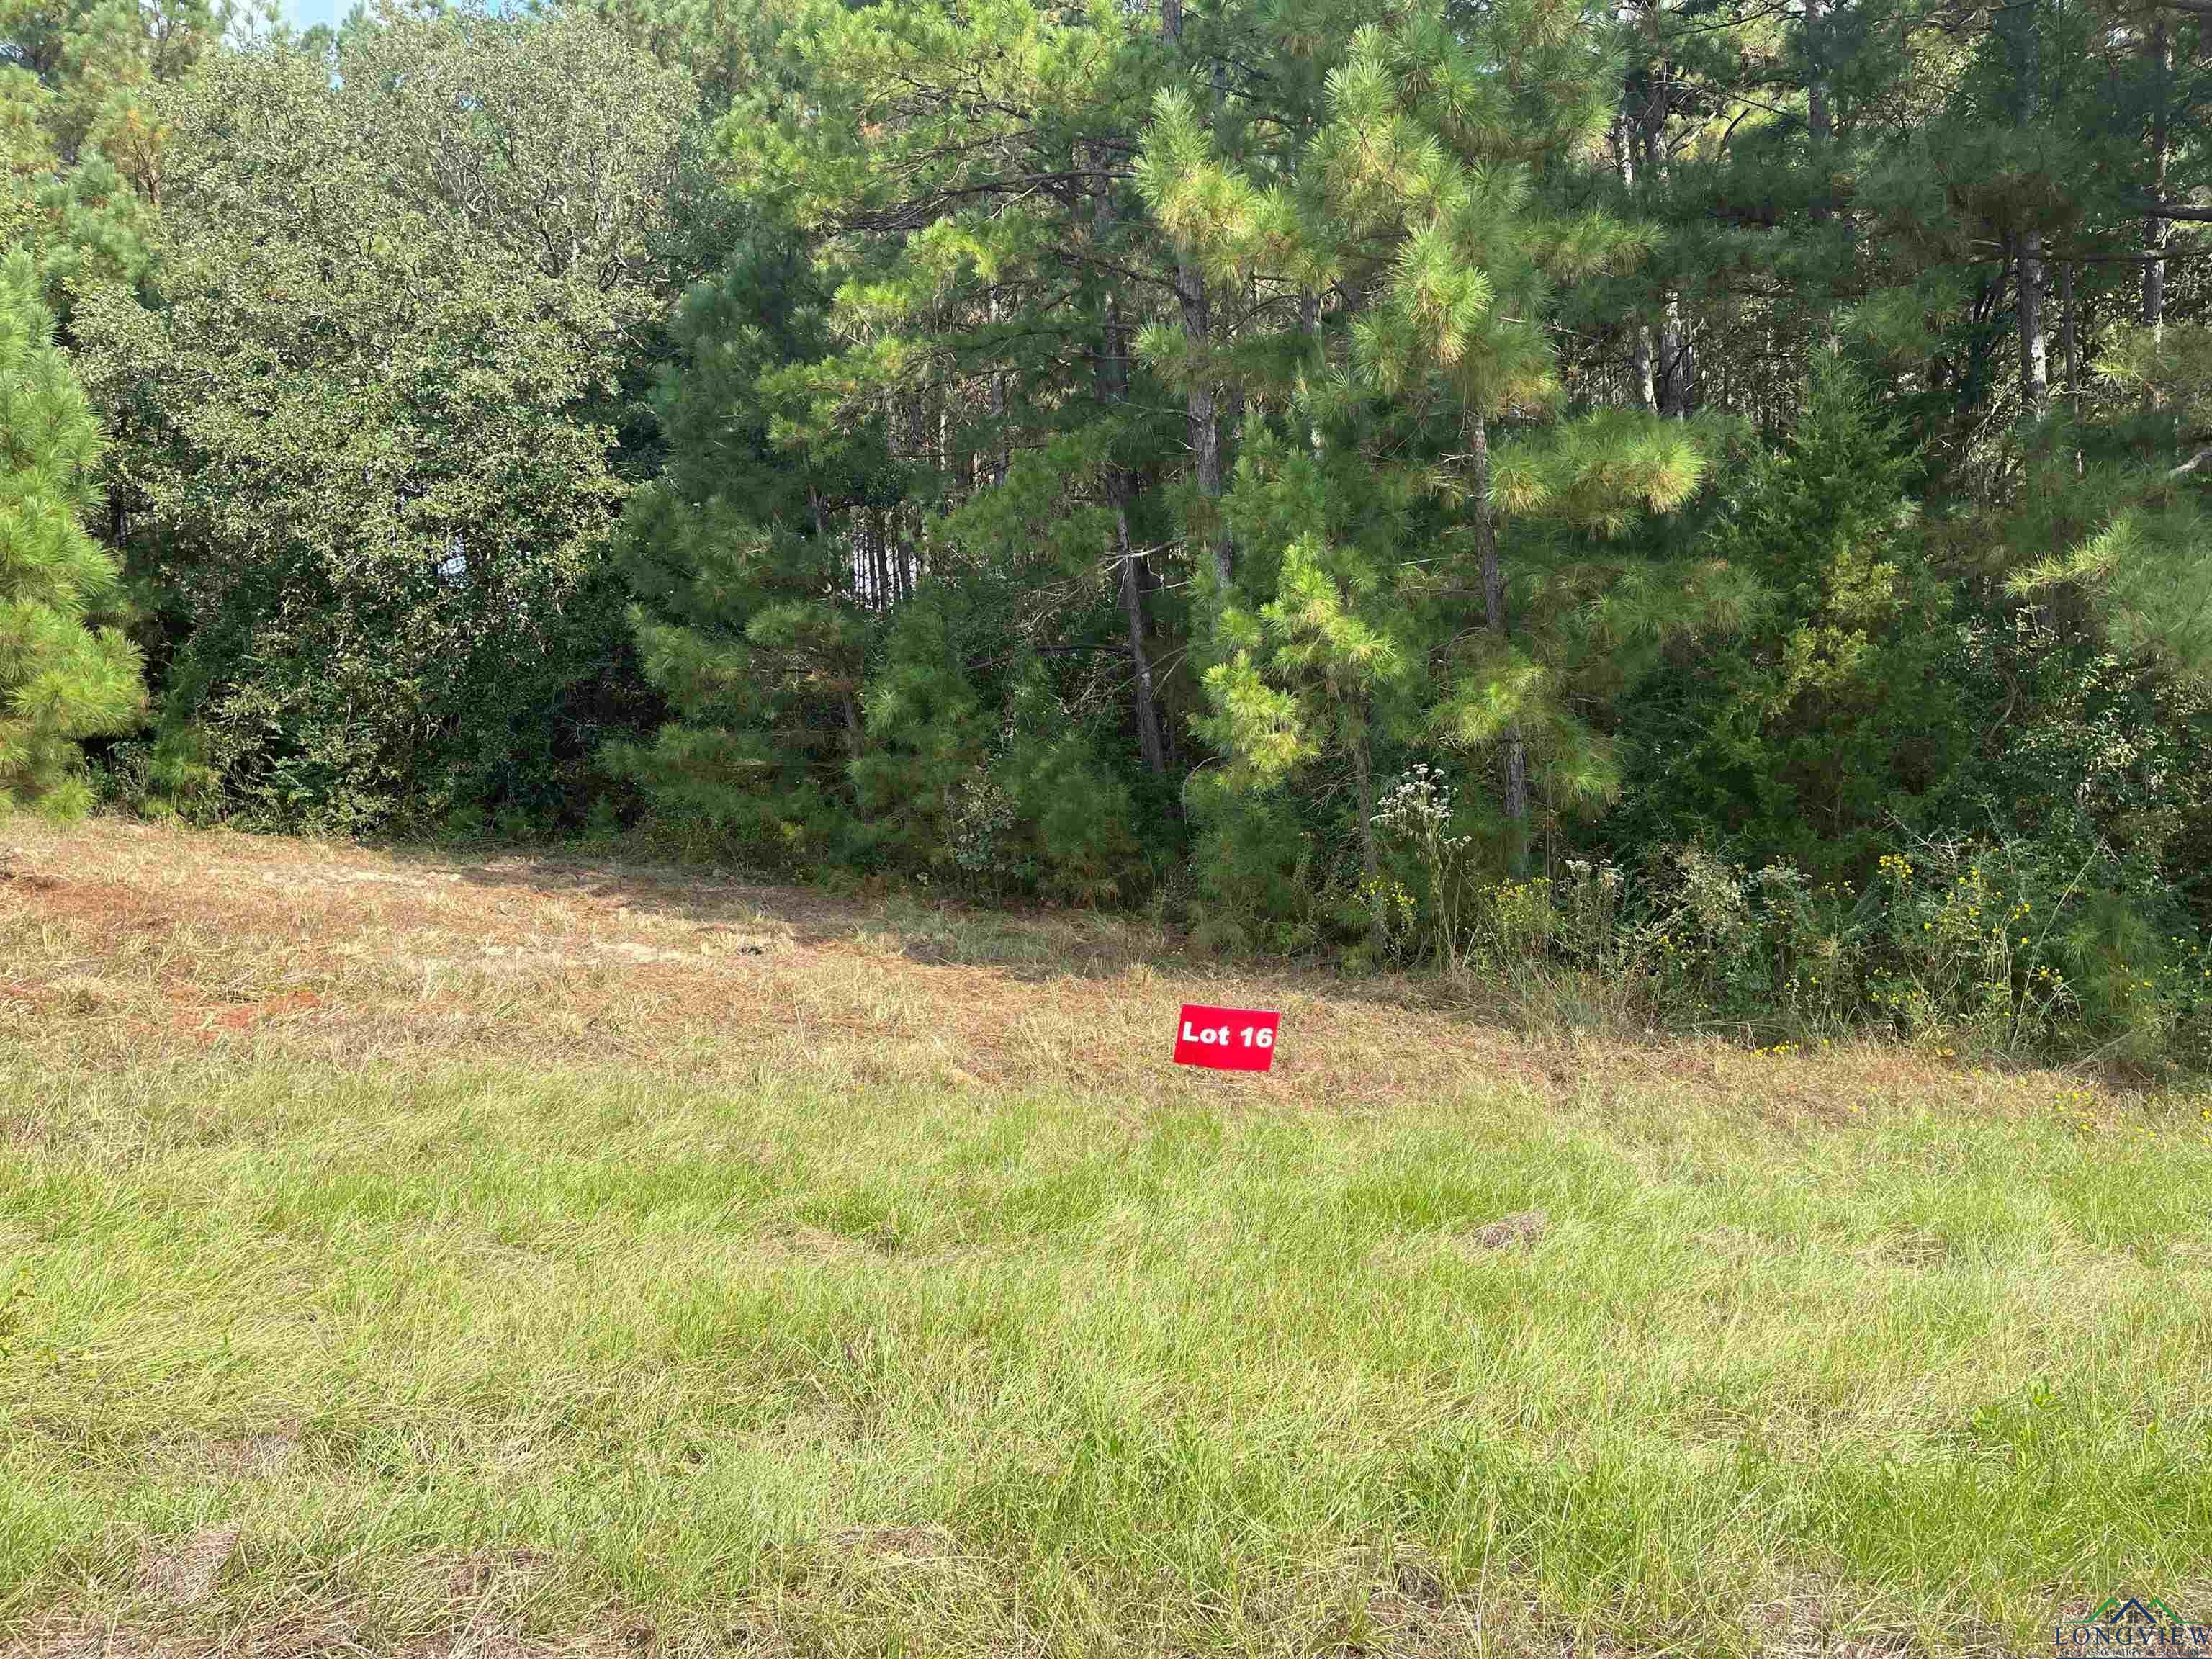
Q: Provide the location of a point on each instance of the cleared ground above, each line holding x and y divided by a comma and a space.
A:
415, 1254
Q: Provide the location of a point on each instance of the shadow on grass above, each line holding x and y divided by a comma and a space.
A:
1027, 944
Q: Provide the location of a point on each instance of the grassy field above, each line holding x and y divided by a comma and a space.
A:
405, 1254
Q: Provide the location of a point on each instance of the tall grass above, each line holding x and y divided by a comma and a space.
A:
817, 1360
1992, 951
411, 1256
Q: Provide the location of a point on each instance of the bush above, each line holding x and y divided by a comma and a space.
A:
1807, 735
2010, 949
1255, 872
366, 463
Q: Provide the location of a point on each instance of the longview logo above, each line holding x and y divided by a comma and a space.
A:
2131, 1624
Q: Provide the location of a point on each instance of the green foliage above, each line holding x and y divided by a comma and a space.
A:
1388, 595
2009, 948
1257, 870
1836, 710
744, 619
67, 673
1066, 822
83, 145
1083, 453
368, 488
926, 736
2143, 566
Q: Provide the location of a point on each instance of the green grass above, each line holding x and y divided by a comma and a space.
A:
823, 1361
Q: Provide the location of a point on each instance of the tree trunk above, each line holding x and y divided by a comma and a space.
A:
2159, 48
1113, 395
1516, 795
1677, 363
2034, 355
1982, 335
2034, 352
1641, 386
1133, 608
1112, 376
1310, 326
822, 549
1819, 123
1493, 616
1363, 783
2069, 329
1678, 369
1229, 414
1201, 412
998, 411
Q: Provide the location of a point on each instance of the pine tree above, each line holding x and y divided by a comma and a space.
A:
945, 467
1424, 425
83, 148
747, 615
67, 673
2133, 528
1830, 716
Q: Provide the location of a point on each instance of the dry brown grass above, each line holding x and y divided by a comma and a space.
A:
125, 940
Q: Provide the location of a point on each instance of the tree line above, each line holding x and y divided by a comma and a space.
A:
1701, 493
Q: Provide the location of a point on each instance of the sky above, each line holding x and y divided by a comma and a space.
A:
305, 13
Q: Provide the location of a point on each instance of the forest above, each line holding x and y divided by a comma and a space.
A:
1691, 509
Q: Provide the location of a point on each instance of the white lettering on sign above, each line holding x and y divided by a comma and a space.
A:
1226, 1039
1221, 1037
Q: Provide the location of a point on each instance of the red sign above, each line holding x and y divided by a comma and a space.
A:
1227, 1039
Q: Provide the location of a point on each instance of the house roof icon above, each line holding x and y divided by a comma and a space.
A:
2132, 1610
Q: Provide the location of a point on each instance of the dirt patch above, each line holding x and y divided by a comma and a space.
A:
909, 1543
254, 1454
109, 929
1509, 1232
114, 907
339, 876
474, 1575
1735, 1244
81, 1639
183, 1574
1420, 1251
234, 1017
